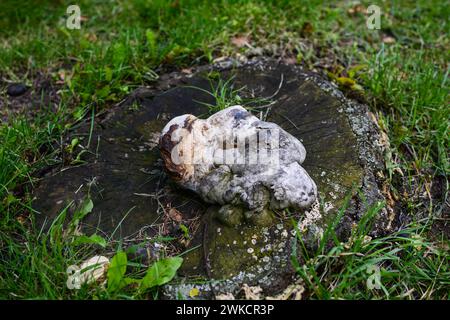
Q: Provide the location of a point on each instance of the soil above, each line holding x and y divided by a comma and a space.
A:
41, 96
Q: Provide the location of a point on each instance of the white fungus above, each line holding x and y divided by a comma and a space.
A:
234, 158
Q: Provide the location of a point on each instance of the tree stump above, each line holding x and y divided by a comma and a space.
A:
124, 176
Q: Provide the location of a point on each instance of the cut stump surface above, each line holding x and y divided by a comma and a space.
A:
132, 196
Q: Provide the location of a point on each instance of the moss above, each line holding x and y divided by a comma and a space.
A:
235, 248
264, 218
230, 216
147, 129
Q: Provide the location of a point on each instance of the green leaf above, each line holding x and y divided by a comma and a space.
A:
74, 142
345, 82
85, 208
108, 74
103, 92
151, 42
357, 87
129, 281
84, 43
65, 32
119, 53
94, 239
10, 199
161, 272
352, 72
72, 145
116, 272
185, 231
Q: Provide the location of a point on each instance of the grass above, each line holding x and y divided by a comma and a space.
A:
226, 95
402, 265
38, 267
414, 108
400, 70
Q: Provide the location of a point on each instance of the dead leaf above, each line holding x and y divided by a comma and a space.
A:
175, 215
374, 119
383, 142
252, 293
185, 242
21, 220
92, 37
240, 41
62, 74
175, 4
220, 59
307, 29
290, 60
225, 296
294, 290
388, 40
357, 9
366, 240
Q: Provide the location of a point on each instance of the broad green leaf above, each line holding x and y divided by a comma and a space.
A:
161, 272
85, 209
128, 281
116, 271
93, 239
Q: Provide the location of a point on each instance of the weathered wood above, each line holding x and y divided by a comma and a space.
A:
124, 173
